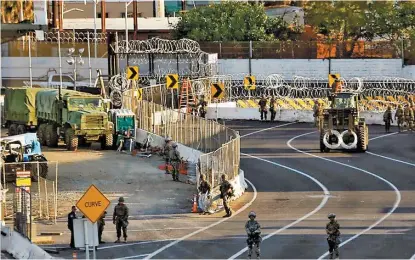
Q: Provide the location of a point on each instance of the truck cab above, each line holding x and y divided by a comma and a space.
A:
124, 123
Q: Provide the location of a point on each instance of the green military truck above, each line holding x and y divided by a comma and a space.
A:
75, 118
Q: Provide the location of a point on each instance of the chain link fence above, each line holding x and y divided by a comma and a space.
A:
43, 190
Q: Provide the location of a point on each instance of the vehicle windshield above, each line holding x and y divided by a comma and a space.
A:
344, 102
85, 104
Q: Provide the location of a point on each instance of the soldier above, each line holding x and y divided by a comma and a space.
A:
320, 116
175, 159
202, 107
253, 229
120, 219
273, 108
387, 118
263, 108
226, 191
101, 224
166, 153
315, 108
409, 117
204, 189
399, 115
333, 232
71, 217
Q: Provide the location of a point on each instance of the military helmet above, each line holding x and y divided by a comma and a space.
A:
168, 139
400, 106
174, 145
121, 199
203, 176
223, 176
252, 214
389, 108
331, 215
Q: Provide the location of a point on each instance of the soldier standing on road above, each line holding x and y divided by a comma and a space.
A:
120, 219
226, 191
273, 108
253, 229
166, 153
101, 224
333, 232
204, 189
175, 160
263, 108
320, 116
315, 108
399, 115
387, 118
409, 117
71, 217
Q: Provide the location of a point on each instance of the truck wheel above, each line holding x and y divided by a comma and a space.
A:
83, 143
21, 129
362, 141
43, 168
12, 129
41, 134
323, 147
51, 136
71, 140
107, 142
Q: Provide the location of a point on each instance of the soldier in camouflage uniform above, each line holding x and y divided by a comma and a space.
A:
202, 107
387, 118
320, 116
315, 108
399, 115
273, 108
166, 149
120, 219
101, 224
253, 229
263, 107
175, 159
226, 191
333, 232
409, 117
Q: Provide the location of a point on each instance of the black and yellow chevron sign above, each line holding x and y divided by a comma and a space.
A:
139, 94
133, 72
332, 78
217, 90
172, 81
249, 83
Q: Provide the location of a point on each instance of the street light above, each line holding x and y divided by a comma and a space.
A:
74, 60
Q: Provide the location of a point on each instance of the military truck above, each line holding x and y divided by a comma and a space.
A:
75, 117
124, 124
343, 128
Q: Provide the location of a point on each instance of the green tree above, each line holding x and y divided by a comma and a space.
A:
230, 21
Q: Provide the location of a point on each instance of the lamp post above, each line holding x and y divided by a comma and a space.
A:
75, 59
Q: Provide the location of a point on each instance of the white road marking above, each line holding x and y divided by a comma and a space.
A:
133, 244
320, 206
266, 129
395, 205
412, 257
205, 228
381, 136
133, 256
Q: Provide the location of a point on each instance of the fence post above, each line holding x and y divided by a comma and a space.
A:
250, 58
38, 190
56, 187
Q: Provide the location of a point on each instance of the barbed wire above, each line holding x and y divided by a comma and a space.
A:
67, 37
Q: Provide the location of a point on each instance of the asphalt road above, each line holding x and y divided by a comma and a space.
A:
294, 188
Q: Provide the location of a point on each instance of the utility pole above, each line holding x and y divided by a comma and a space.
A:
103, 16
135, 19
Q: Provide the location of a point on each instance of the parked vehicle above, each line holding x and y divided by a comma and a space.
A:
124, 123
75, 117
53, 81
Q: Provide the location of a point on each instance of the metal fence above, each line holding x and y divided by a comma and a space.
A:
43, 191
22, 211
219, 143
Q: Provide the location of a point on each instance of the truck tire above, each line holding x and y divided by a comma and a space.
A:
51, 136
107, 142
43, 168
323, 147
41, 134
71, 140
12, 129
21, 129
362, 139
83, 142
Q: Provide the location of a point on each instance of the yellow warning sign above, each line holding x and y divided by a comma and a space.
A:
333, 78
249, 83
139, 94
172, 81
217, 90
93, 203
133, 72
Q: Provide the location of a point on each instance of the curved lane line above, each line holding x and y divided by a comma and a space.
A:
207, 227
320, 206
395, 205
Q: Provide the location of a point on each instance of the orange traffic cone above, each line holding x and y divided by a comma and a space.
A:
194, 208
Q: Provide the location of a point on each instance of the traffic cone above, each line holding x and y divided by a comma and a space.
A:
194, 208
74, 255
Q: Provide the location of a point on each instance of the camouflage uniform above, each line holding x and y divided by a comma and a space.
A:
120, 219
166, 152
409, 117
399, 115
225, 194
202, 108
315, 108
273, 108
263, 108
333, 232
175, 159
387, 118
101, 224
253, 230
320, 116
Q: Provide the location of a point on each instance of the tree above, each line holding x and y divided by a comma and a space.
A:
230, 21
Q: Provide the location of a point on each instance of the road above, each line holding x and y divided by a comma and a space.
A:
293, 188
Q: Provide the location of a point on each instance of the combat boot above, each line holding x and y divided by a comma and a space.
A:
249, 253
117, 241
125, 240
337, 253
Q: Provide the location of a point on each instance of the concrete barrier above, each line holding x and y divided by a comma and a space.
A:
20, 247
285, 115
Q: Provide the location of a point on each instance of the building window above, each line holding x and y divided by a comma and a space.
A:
99, 15
130, 15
